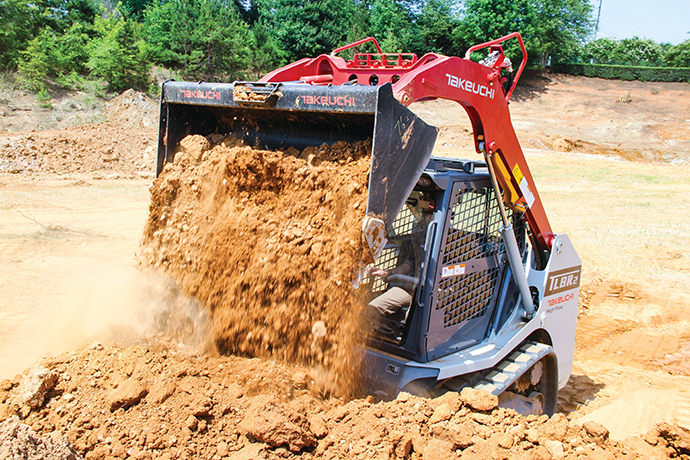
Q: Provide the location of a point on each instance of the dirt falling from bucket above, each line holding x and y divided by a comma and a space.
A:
270, 242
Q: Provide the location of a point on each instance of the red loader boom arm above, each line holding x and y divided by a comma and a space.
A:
478, 88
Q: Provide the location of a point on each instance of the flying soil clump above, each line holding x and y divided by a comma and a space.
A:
270, 241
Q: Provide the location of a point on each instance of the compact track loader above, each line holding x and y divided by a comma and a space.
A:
495, 292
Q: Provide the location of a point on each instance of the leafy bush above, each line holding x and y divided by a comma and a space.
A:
52, 54
679, 55
43, 98
117, 54
619, 72
71, 80
637, 51
601, 50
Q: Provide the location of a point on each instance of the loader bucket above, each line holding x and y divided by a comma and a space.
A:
281, 115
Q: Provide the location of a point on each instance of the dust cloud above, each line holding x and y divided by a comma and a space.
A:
116, 305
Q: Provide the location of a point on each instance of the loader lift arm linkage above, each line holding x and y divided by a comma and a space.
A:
477, 88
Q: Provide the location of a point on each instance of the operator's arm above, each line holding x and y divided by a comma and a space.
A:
403, 269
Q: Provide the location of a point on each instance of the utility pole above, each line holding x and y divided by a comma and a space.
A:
596, 28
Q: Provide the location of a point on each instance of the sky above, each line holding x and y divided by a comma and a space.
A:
664, 21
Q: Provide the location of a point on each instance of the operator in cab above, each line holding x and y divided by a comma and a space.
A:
407, 238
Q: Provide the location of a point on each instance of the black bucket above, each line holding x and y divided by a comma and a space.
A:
281, 115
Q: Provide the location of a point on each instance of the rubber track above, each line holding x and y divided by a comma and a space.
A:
512, 367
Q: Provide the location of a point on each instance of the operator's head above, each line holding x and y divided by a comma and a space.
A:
421, 204
426, 203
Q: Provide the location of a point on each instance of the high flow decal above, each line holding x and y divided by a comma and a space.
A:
329, 100
199, 94
562, 280
470, 86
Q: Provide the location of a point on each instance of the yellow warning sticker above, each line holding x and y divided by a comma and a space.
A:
517, 174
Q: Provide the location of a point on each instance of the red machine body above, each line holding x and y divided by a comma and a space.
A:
480, 89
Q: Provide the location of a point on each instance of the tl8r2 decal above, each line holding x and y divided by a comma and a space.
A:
563, 280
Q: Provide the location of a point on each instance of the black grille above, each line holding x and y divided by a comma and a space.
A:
472, 233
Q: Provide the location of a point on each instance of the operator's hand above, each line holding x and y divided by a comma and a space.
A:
379, 272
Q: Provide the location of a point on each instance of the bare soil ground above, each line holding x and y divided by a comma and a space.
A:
611, 161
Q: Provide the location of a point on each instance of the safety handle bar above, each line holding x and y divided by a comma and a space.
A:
357, 43
430, 234
496, 42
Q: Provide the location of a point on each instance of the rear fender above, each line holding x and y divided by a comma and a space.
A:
559, 296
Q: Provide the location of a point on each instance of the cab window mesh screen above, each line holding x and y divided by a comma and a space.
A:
473, 225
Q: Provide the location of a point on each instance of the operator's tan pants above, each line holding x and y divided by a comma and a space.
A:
391, 301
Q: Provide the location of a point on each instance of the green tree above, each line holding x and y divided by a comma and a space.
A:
678, 55
34, 64
59, 15
162, 29
23, 20
561, 30
485, 20
394, 26
17, 25
436, 24
117, 54
135, 8
601, 50
359, 23
53, 54
307, 28
248, 9
266, 55
202, 39
550, 28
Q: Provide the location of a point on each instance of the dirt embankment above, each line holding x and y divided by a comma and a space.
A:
631, 120
102, 151
270, 243
125, 147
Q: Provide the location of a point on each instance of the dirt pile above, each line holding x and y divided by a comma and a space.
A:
132, 110
101, 150
270, 242
150, 402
